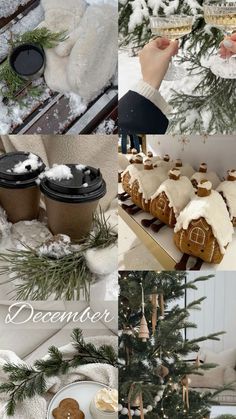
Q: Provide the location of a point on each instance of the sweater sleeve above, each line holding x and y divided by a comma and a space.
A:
143, 110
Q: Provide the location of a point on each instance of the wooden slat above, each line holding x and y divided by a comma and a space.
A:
6, 22
95, 115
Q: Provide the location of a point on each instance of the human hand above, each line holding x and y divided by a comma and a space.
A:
155, 58
228, 46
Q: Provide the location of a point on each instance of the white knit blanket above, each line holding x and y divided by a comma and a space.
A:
86, 62
37, 406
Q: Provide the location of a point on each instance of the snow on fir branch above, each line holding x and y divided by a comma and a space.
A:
202, 102
26, 382
40, 276
158, 367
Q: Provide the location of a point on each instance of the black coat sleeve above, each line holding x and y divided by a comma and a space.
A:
138, 115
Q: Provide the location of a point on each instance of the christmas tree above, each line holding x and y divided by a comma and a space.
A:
154, 350
202, 102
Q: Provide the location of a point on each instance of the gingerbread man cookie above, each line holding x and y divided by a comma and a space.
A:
68, 409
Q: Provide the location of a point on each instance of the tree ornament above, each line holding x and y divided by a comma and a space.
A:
143, 330
155, 305
162, 371
162, 305
197, 362
185, 384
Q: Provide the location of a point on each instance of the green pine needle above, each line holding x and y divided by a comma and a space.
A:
25, 383
12, 83
65, 278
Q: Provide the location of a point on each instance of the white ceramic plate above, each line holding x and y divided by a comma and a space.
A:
82, 391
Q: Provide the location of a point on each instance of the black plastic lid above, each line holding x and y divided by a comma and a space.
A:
86, 185
11, 179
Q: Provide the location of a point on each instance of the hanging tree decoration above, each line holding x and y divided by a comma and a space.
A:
162, 306
185, 384
143, 330
155, 304
137, 402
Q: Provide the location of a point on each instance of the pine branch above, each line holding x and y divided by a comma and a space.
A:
12, 83
26, 382
41, 276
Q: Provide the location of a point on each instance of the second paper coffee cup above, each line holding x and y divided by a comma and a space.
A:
19, 192
72, 200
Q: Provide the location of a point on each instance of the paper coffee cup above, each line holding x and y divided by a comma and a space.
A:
71, 203
19, 192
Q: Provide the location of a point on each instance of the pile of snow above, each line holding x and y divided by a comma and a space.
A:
27, 23
80, 167
8, 7
106, 127
13, 113
5, 226
57, 172
29, 165
56, 247
76, 104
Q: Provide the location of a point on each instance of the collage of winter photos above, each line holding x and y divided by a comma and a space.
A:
117, 209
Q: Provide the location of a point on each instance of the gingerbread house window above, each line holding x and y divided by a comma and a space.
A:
161, 204
198, 235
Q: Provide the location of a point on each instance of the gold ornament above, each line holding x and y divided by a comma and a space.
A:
143, 330
185, 384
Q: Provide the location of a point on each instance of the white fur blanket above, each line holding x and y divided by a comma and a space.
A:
86, 61
37, 406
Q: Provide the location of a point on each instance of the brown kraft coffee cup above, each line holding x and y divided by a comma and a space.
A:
19, 192
71, 202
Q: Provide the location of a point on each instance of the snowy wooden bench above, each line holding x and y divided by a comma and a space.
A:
52, 112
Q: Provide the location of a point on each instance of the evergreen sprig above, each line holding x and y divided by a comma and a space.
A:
168, 346
26, 382
66, 278
12, 83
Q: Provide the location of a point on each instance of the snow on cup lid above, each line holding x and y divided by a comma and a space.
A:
20, 169
73, 183
231, 175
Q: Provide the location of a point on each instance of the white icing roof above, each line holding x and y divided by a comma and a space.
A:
211, 176
133, 170
187, 170
214, 210
150, 180
228, 188
179, 192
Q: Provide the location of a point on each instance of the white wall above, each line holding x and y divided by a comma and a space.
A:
197, 149
218, 310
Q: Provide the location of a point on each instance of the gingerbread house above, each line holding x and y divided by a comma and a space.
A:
203, 228
171, 197
146, 184
203, 174
228, 191
130, 173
